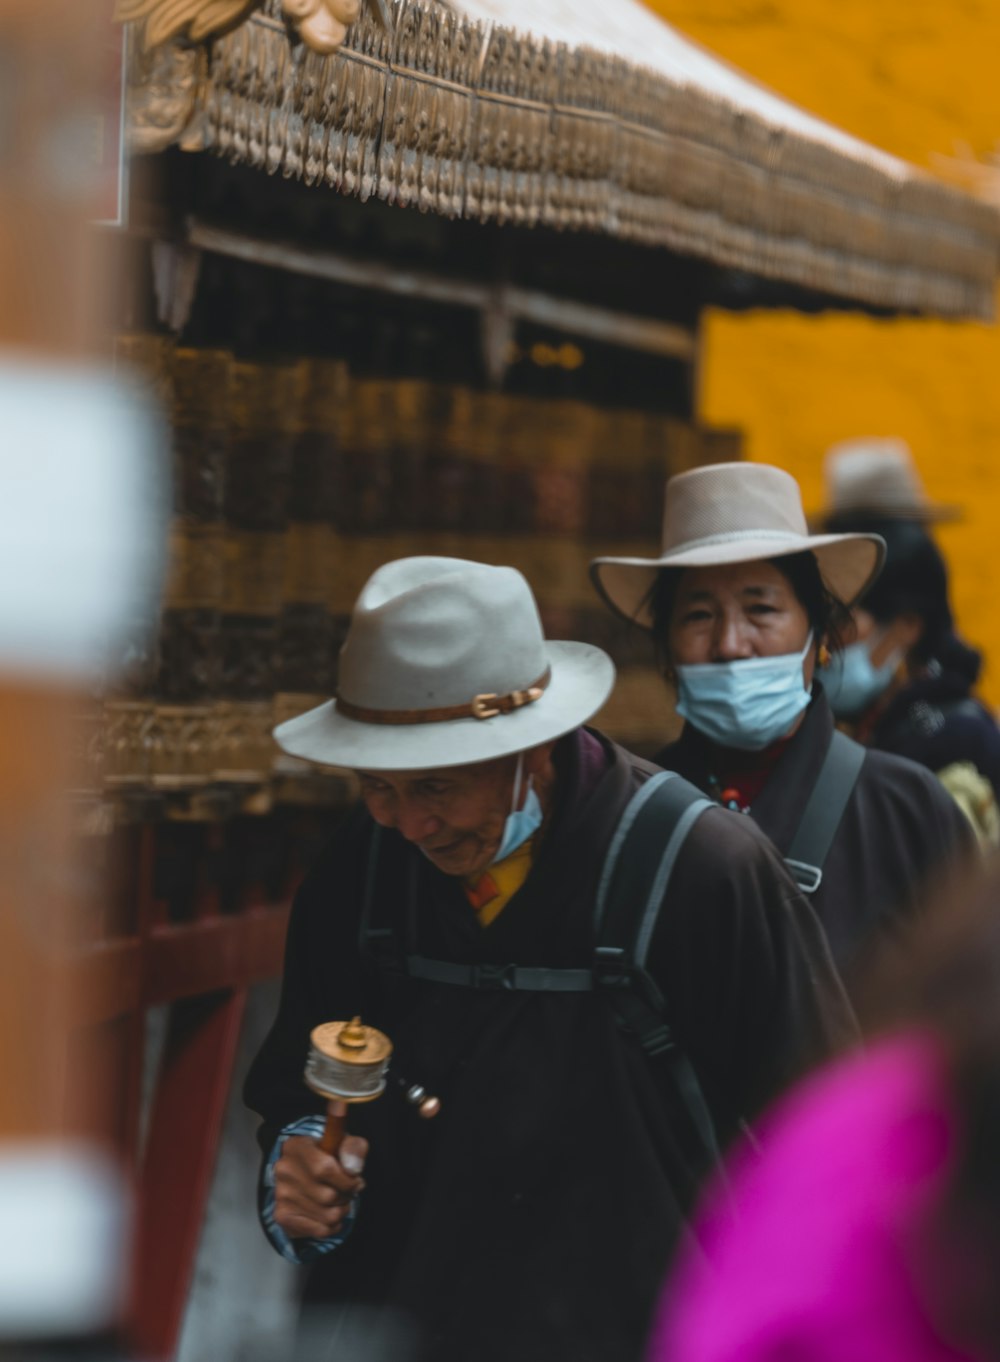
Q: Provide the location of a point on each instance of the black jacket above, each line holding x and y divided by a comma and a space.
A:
936, 720
534, 1218
901, 830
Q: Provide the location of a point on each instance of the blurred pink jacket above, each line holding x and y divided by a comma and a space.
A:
823, 1263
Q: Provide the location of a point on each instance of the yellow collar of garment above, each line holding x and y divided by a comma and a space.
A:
490, 892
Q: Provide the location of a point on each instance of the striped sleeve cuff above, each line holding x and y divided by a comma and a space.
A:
299, 1251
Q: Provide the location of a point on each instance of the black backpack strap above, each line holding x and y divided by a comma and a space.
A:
377, 939
824, 811
639, 863
634, 880
515, 978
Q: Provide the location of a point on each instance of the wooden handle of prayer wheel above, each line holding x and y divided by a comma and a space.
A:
333, 1133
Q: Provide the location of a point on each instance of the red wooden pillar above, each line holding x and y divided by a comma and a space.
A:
199, 962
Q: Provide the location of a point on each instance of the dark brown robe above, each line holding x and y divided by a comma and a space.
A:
534, 1218
900, 835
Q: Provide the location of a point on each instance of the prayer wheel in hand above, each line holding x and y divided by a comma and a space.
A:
347, 1063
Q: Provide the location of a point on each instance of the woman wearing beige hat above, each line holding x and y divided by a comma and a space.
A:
743, 603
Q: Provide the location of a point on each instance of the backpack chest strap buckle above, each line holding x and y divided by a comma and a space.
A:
807, 877
490, 976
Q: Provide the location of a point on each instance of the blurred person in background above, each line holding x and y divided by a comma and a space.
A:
455, 910
906, 681
869, 1229
743, 602
877, 476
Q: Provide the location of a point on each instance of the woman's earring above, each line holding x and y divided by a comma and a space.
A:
823, 656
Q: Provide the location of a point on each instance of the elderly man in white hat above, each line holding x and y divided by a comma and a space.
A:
745, 605
455, 910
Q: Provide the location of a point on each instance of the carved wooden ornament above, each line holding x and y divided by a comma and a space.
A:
195, 19
322, 24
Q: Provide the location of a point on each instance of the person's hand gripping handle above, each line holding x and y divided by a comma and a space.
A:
314, 1187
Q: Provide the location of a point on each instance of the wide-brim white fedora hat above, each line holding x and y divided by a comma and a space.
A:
878, 477
445, 664
736, 513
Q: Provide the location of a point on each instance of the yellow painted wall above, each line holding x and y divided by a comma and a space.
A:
919, 79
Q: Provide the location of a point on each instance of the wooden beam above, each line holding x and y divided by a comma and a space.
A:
198, 957
625, 329
182, 960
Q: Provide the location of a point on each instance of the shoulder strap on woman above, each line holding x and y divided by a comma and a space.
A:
824, 811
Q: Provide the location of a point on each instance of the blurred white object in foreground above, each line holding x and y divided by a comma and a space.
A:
82, 531
81, 519
64, 1239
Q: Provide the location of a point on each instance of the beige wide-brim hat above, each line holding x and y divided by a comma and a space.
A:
878, 477
445, 664
736, 513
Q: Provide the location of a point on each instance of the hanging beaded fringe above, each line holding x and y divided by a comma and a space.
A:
480, 122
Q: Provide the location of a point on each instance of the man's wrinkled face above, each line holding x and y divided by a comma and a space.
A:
454, 814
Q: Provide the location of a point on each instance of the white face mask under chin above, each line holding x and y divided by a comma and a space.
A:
521, 823
747, 704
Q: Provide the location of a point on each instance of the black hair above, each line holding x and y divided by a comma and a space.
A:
828, 617
913, 580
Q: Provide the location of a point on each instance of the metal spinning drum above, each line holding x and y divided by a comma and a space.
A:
347, 1062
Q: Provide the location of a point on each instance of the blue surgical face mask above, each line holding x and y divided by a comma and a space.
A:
749, 703
521, 823
852, 682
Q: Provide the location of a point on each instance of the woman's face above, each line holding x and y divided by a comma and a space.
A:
884, 641
741, 610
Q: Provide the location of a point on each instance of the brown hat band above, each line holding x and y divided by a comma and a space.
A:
479, 707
